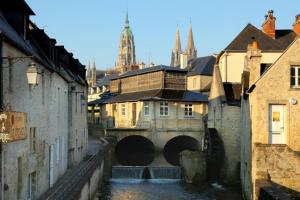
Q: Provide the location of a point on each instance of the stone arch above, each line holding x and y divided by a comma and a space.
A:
178, 144
135, 150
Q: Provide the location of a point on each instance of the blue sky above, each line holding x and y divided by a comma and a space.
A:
91, 28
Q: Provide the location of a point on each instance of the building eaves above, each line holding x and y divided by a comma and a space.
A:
150, 70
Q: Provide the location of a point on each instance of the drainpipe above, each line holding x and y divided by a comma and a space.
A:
226, 54
1, 106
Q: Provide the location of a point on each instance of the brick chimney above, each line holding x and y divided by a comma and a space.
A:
296, 25
268, 26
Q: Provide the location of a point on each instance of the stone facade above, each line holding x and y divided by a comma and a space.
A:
271, 88
32, 165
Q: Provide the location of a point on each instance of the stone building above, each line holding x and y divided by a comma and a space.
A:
231, 59
181, 58
43, 106
270, 138
200, 73
153, 103
126, 56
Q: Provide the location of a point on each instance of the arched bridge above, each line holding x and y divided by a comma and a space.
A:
140, 147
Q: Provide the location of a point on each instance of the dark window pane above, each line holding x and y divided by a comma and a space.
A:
293, 81
298, 68
292, 71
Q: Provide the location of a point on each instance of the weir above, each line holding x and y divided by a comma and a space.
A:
145, 172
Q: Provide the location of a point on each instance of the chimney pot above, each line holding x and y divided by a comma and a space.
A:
268, 26
296, 25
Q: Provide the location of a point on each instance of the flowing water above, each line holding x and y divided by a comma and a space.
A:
129, 183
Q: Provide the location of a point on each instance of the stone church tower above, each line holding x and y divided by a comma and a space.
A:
175, 60
126, 49
190, 51
91, 75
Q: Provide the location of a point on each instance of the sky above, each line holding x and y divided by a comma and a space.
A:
91, 29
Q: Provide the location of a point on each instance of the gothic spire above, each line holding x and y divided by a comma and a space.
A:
126, 20
94, 65
177, 42
190, 44
175, 59
190, 49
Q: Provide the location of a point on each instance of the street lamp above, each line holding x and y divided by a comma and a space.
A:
32, 74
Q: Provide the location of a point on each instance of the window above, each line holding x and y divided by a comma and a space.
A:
295, 76
146, 109
32, 185
20, 175
188, 110
264, 67
123, 109
32, 141
164, 109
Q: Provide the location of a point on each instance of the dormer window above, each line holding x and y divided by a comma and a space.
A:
295, 76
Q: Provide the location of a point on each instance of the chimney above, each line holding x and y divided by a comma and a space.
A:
296, 25
268, 26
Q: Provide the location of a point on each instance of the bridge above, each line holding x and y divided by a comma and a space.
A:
141, 147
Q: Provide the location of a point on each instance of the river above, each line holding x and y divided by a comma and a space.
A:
165, 189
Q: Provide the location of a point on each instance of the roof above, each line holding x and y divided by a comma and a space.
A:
283, 39
106, 79
7, 4
233, 92
202, 66
104, 99
151, 69
170, 95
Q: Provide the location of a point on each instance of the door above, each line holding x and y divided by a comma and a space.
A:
276, 122
51, 165
133, 114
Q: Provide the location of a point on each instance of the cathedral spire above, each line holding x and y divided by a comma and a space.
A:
177, 41
126, 20
191, 50
175, 60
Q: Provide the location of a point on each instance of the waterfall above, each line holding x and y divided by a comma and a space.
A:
127, 172
145, 172
165, 172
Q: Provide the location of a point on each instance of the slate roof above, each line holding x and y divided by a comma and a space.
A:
106, 79
151, 69
170, 95
104, 99
282, 40
233, 92
202, 66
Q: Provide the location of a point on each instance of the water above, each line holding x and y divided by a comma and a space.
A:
164, 189
160, 183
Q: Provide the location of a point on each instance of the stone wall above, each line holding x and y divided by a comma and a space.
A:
278, 163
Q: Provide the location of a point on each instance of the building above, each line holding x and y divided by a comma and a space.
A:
179, 58
270, 112
224, 102
43, 106
126, 56
231, 59
200, 73
152, 103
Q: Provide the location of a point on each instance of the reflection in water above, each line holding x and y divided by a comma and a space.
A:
163, 189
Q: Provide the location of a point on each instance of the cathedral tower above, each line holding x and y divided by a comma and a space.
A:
94, 75
175, 60
126, 49
191, 51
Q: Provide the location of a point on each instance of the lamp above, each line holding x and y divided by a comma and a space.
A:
32, 74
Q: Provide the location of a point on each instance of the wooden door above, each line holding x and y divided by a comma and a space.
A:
276, 122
